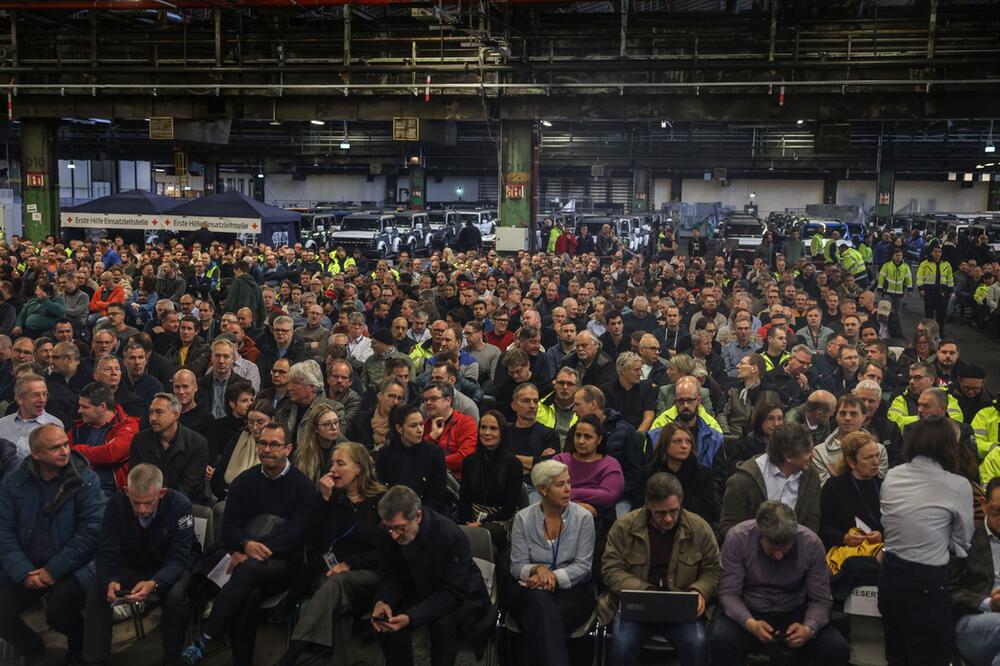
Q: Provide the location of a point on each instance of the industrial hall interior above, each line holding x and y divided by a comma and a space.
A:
500, 332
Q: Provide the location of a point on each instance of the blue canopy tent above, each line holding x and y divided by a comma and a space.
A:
102, 214
277, 226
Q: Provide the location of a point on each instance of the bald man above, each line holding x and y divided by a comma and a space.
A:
193, 415
815, 414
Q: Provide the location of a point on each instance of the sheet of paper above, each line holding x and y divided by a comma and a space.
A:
860, 524
200, 527
218, 575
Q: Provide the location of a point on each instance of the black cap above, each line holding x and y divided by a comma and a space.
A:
969, 371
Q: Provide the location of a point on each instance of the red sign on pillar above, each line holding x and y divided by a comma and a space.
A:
35, 179
515, 191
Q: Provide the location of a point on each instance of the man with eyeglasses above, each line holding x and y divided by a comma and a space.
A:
65, 381
287, 345
791, 380
277, 392
688, 410
314, 336
262, 561
117, 323
429, 347
421, 554
339, 379
445, 426
641, 554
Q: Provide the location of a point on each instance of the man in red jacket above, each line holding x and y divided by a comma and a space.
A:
453, 431
103, 435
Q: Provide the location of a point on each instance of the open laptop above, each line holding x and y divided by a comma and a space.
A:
658, 606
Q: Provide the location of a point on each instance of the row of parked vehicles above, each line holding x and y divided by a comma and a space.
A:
379, 233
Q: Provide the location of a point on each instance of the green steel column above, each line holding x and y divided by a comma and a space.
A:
39, 179
518, 185
640, 191
418, 188
884, 190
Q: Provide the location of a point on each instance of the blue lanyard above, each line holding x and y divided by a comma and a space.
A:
555, 546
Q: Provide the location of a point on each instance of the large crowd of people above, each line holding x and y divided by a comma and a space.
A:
752, 432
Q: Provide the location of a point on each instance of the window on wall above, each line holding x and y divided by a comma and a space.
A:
135, 175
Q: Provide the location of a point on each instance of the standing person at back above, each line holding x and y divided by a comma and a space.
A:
244, 292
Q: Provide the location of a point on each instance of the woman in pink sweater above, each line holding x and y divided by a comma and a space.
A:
596, 479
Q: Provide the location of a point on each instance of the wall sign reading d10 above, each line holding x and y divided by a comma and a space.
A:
34, 179
514, 191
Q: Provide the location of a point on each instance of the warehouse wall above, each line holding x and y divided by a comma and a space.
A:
772, 195
280, 189
446, 190
856, 193
927, 196
940, 196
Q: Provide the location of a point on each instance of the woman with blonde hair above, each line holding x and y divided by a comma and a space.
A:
322, 435
346, 558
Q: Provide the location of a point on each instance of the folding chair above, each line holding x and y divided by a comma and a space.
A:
481, 547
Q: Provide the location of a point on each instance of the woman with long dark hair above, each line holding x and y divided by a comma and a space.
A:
490, 491
675, 455
410, 461
596, 479
927, 512
767, 416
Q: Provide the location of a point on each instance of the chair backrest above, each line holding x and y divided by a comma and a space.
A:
204, 525
481, 546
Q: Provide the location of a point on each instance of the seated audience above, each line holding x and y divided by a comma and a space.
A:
775, 588
427, 578
343, 566
146, 549
103, 435
51, 508
660, 546
241, 454
408, 460
784, 473
181, 454
490, 490
596, 478
852, 495
674, 455
264, 552
551, 594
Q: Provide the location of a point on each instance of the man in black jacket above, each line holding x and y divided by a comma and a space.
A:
264, 528
595, 367
181, 454
147, 544
427, 578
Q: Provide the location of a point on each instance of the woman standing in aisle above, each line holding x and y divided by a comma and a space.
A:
927, 514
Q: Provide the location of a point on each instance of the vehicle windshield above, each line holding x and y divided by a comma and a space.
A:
403, 221
993, 233
742, 229
469, 217
437, 216
361, 224
593, 226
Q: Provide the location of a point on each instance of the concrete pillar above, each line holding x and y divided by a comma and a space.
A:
418, 188
641, 194
39, 179
993, 195
517, 189
830, 189
676, 184
884, 191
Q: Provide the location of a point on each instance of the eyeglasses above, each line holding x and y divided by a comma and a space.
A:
433, 398
398, 530
271, 445
685, 401
328, 424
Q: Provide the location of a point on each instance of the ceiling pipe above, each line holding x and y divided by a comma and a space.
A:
134, 5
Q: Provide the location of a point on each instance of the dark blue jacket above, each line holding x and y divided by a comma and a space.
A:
625, 444
165, 548
76, 524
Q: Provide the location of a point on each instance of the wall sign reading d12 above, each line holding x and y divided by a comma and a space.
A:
515, 191
34, 179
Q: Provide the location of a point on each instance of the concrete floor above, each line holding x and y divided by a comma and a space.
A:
271, 637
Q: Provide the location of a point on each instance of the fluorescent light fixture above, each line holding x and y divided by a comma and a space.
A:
71, 165
952, 175
753, 195
317, 122
979, 166
800, 122
275, 123
967, 177
260, 174
160, 170
990, 148
663, 124
345, 145
546, 123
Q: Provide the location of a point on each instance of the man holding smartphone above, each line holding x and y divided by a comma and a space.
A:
147, 546
775, 589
